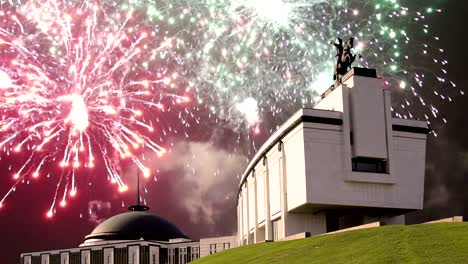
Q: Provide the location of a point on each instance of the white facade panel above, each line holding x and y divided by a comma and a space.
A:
86, 257
244, 211
333, 101
410, 156
154, 255
251, 190
216, 244
134, 255
65, 258
260, 182
109, 255
274, 182
402, 189
367, 114
315, 224
45, 259
324, 163
295, 168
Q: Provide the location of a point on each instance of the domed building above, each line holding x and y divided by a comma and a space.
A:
134, 225
133, 237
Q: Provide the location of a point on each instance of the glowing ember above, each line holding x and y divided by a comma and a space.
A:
79, 113
5, 81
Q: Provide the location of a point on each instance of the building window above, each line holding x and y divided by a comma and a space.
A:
369, 165
212, 248
226, 245
154, 259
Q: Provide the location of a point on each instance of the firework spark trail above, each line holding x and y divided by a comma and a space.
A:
278, 51
80, 79
85, 83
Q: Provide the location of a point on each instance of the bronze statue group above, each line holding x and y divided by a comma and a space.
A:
344, 57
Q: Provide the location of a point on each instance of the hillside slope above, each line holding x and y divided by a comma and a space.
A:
430, 243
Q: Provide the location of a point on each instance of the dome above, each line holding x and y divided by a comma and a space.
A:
134, 225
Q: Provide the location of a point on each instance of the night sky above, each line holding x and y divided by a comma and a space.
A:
206, 206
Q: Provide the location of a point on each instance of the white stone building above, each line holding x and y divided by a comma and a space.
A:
135, 237
344, 163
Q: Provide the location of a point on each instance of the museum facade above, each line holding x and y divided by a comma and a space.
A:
345, 163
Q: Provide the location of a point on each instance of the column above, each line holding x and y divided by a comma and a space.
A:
108, 256
283, 190
249, 240
239, 223
86, 257
254, 186
346, 131
389, 130
241, 218
268, 227
65, 258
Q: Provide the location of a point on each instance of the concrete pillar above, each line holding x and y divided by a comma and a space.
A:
395, 220
239, 221
45, 259
389, 130
283, 190
249, 240
268, 227
86, 257
254, 186
65, 258
346, 129
241, 217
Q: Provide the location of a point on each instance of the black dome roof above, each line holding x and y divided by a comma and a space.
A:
135, 225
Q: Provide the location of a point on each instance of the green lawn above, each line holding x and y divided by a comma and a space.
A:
430, 243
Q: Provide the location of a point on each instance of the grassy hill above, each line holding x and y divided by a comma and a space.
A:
430, 243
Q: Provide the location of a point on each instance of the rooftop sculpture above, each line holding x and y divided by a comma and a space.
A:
344, 57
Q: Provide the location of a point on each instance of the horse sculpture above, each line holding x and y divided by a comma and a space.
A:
344, 57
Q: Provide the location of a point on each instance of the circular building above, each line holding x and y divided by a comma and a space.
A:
134, 225
134, 237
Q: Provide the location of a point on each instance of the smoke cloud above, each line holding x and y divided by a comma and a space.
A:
207, 179
98, 211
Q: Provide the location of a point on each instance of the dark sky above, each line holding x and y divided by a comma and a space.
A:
447, 155
24, 227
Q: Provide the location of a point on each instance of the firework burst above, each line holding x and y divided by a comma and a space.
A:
76, 89
86, 82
